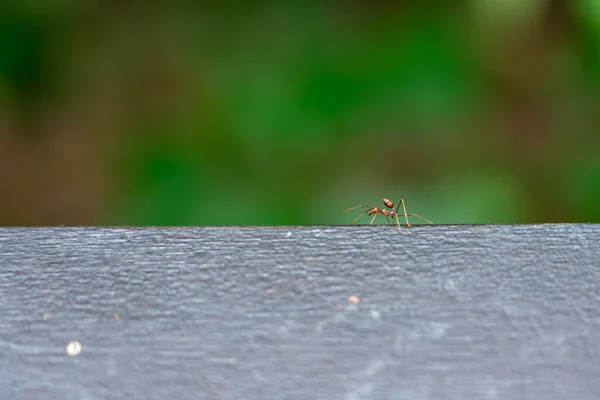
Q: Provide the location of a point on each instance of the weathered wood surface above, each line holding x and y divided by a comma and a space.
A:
445, 312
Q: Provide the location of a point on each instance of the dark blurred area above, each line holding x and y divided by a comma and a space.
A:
231, 113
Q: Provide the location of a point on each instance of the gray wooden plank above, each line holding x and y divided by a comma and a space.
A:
445, 312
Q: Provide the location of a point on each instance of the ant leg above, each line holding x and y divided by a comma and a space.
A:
405, 216
359, 215
371, 223
388, 219
398, 222
418, 216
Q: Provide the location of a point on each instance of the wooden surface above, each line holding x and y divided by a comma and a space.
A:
444, 312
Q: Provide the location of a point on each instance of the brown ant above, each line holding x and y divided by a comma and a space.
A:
393, 213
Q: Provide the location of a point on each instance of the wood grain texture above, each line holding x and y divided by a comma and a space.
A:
445, 312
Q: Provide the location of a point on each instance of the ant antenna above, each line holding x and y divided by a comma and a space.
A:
361, 214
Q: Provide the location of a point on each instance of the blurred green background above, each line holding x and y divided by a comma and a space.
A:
232, 113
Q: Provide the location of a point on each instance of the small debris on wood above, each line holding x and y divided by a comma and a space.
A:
73, 348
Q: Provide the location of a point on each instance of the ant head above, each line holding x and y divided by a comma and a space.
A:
388, 203
374, 210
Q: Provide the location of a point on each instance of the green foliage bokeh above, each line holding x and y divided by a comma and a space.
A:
143, 113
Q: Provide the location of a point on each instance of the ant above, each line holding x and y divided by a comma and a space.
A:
393, 213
